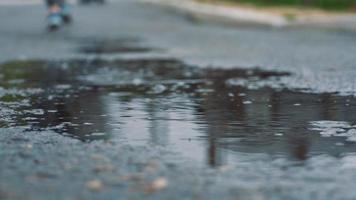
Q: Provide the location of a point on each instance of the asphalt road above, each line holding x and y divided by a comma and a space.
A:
321, 60
45, 165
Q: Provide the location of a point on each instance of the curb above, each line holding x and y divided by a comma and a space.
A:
241, 15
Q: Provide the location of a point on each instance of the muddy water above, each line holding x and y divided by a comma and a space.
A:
210, 115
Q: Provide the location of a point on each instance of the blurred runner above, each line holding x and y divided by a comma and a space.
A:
58, 14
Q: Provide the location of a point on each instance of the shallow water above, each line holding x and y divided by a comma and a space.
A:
113, 46
213, 116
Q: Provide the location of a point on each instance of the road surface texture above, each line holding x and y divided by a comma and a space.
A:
137, 101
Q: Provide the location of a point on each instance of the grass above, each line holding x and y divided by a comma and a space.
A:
349, 5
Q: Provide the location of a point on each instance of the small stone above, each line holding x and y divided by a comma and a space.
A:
95, 185
156, 185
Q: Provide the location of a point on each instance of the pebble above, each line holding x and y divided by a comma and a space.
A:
156, 185
95, 185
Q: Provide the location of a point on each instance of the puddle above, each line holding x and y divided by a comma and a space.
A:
210, 115
113, 46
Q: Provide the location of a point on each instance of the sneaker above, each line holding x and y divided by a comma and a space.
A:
66, 13
54, 21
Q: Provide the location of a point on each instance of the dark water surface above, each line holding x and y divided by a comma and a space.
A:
210, 115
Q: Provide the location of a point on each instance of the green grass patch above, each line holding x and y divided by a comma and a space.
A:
323, 4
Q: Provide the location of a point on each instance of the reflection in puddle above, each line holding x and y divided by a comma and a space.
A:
196, 112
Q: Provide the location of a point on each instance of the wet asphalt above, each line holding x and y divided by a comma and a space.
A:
312, 73
322, 60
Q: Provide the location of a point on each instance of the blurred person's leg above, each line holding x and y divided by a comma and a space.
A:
54, 16
58, 13
65, 11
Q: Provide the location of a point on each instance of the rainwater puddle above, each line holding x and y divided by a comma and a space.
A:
115, 46
210, 115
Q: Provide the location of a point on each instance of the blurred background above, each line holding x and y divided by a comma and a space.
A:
348, 5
